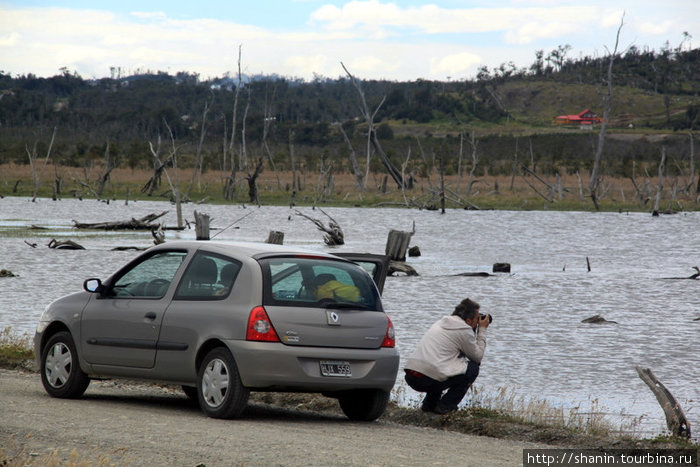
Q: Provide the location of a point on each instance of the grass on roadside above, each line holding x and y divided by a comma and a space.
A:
15, 350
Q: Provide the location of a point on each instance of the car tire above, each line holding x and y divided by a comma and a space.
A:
60, 371
220, 391
364, 405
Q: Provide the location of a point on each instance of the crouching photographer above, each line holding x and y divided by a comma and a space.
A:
448, 357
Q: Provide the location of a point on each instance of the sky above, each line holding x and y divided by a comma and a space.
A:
400, 40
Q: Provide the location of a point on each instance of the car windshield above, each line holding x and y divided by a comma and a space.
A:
318, 282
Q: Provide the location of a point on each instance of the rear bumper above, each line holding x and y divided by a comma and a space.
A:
266, 365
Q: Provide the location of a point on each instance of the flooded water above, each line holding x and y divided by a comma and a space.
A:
538, 348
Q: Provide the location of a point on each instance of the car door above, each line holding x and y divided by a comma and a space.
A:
120, 326
376, 265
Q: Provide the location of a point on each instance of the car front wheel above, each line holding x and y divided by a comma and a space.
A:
60, 371
364, 405
219, 388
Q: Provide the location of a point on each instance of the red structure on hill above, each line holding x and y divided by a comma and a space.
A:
585, 117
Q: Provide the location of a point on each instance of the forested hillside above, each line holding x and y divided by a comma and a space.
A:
247, 124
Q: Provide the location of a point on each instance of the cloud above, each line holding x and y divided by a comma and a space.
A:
301, 64
454, 65
9, 40
389, 19
377, 39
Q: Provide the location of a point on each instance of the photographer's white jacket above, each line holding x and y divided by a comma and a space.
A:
444, 349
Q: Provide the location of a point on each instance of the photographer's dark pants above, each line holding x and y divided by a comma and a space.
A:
456, 387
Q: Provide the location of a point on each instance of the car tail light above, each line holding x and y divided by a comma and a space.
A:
389, 337
260, 327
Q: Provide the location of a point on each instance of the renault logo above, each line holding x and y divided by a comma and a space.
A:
333, 318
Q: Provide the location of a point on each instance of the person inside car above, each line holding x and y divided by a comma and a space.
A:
328, 287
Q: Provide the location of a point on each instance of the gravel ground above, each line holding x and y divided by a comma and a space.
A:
122, 424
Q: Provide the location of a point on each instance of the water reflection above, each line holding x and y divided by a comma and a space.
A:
538, 346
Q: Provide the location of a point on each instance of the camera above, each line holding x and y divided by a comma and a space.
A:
482, 315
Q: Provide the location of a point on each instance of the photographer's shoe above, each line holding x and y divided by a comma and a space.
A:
427, 407
442, 410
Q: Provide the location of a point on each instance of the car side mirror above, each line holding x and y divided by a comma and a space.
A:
92, 285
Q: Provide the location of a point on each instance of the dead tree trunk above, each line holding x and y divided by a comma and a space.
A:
333, 233
675, 418
372, 134
359, 176
691, 175
201, 227
660, 187
475, 160
607, 101
275, 237
161, 168
36, 176
105, 176
396, 246
230, 188
197, 173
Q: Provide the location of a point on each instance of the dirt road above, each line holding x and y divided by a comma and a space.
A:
144, 425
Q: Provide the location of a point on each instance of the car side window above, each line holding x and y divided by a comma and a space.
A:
208, 277
151, 277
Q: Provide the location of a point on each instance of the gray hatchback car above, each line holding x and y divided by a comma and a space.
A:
223, 319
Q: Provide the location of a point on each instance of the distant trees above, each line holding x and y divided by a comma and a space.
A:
244, 124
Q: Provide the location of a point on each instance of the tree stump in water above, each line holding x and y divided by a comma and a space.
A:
396, 246
64, 245
597, 319
675, 418
201, 227
414, 252
158, 235
275, 237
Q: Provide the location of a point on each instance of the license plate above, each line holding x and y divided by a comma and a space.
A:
335, 368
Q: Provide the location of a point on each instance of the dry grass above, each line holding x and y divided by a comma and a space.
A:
15, 350
488, 192
17, 453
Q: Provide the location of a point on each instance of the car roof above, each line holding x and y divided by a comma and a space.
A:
251, 249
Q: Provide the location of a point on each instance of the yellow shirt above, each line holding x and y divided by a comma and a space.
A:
338, 290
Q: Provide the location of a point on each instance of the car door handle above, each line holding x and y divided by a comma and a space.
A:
150, 315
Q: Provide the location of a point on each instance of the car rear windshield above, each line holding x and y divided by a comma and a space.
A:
317, 282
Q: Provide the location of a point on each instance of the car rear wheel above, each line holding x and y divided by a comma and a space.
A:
219, 388
60, 371
364, 405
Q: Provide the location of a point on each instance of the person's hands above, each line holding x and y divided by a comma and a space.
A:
484, 321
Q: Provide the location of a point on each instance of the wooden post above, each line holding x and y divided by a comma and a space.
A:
675, 418
397, 244
178, 210
275, 237
201, 227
